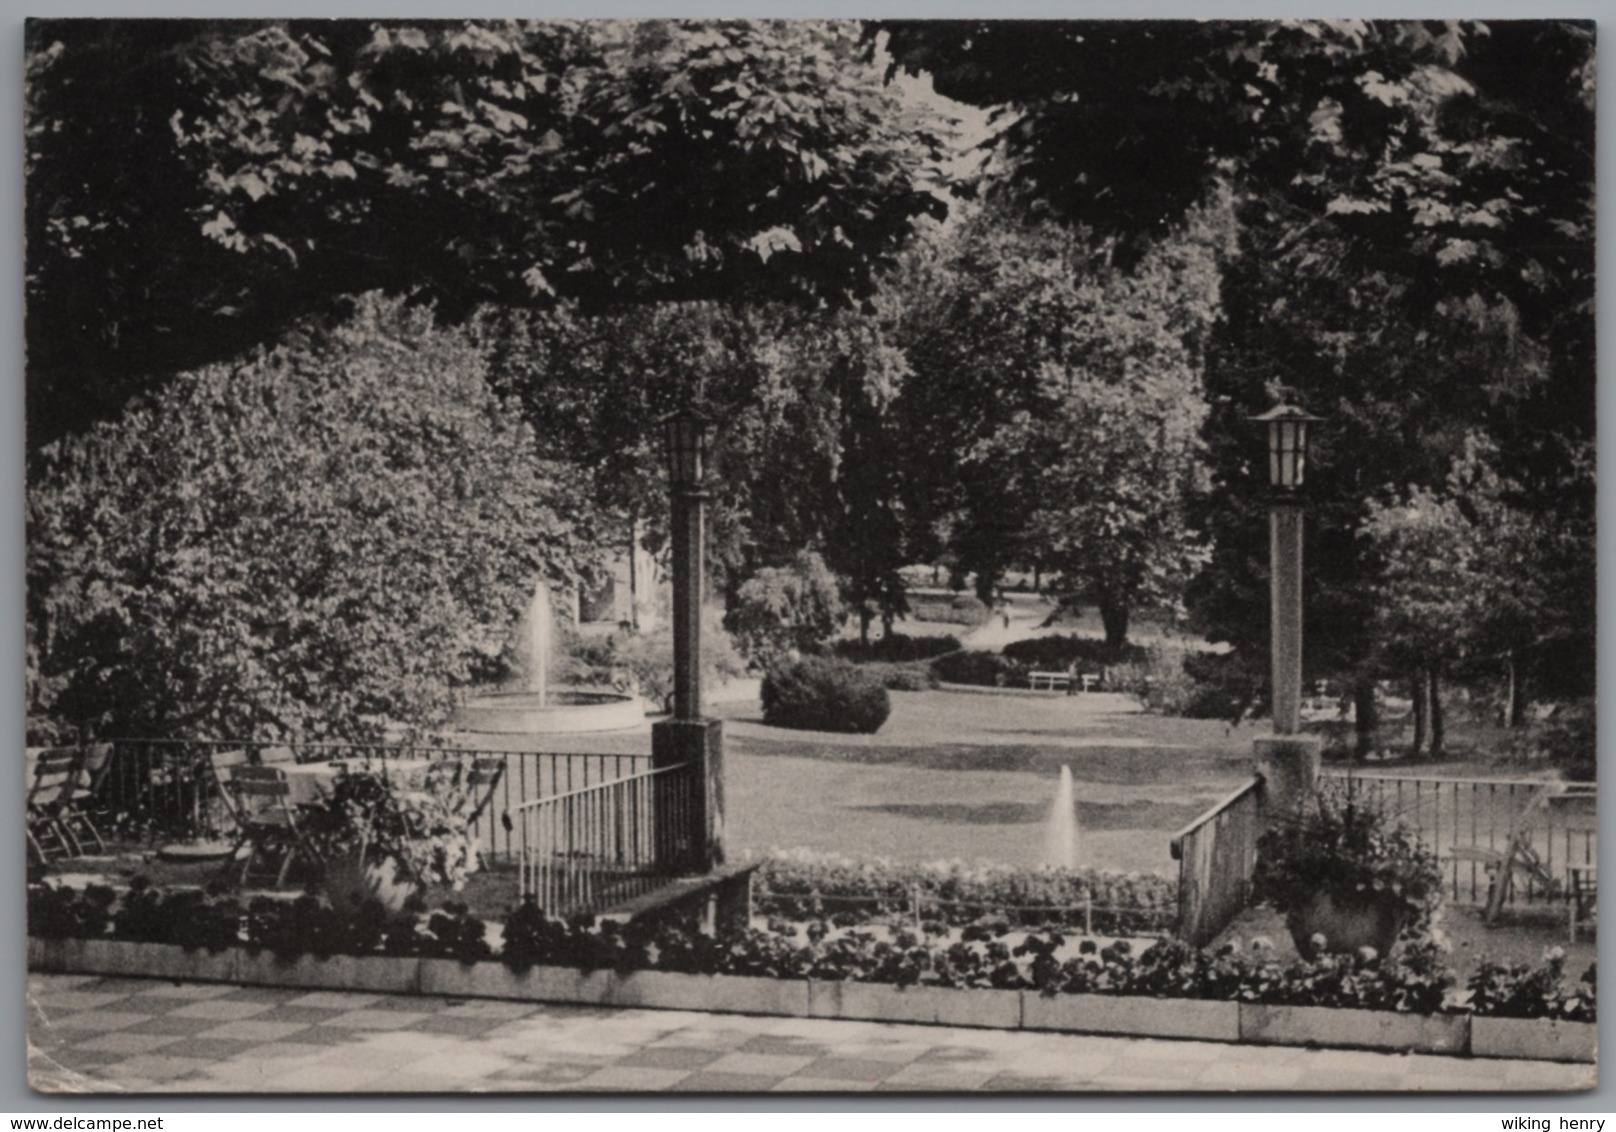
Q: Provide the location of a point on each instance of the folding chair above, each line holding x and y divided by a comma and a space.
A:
221, 764
1517, 855
482, 781
1584, 903
1575, 811
266, 822
97, 766
57, 818
53, 773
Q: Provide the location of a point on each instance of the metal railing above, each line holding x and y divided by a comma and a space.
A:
1216, 855
164, 789
588, 848
1468, 814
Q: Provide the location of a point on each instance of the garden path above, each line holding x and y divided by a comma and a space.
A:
102, 1035
1027, 612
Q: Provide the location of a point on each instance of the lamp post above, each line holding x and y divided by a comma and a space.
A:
1287, 470
1288, 761
689, 798
686, 435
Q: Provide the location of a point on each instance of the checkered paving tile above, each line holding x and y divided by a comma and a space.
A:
132, 1036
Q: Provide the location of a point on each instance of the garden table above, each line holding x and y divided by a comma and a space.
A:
310, 783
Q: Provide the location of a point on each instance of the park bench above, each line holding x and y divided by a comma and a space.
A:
1050, 681
1068, 681
719, 900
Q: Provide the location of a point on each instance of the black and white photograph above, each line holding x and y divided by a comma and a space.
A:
810, 556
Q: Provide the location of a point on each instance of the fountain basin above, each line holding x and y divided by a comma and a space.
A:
561, 711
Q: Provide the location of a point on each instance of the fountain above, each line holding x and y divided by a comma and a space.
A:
537, 708
1060, 832
540, 619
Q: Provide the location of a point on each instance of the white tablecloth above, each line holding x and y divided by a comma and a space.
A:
310, 783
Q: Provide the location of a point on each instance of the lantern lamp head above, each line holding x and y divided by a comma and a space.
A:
685, 432
1287, 445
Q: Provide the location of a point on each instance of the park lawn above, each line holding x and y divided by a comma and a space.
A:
971, 776
956, 775
964, 775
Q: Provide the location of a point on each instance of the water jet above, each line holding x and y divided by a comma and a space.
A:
537, 708
1060, 831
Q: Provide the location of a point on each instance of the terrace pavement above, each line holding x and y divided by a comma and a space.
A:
89, 1034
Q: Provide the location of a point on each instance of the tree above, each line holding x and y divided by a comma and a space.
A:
986, 314
194, 187
1423, 612
852, 359
1458, 149
1112, 513
1055, 404
1118, 459
803, 446
785, 609
1469, 576
323, 539
1407, 198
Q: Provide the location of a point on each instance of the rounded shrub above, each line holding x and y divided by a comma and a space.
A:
896, 648
816, 693
913, 676
796, 606
1063, 650
978, 666
1225, 687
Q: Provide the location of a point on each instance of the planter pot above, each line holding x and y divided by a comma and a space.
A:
1120, 1014
452, 979
947, 1006
730, 994
1541, 1039
383, 974
1368, 1029
348, 883
1537, 1038
126, 958
1345, 927
68, 956
167, 961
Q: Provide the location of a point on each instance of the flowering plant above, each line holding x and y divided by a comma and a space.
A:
1349, 852
1518, 991
803, 885
1414, 979
367, 818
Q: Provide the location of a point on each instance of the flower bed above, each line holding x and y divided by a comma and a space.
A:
1413, 980
805, 886
1204, 1020
983, 976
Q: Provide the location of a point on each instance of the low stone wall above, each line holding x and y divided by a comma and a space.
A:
1194, 1019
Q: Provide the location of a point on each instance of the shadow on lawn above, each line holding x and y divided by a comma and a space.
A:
1090, 815
1121, 765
